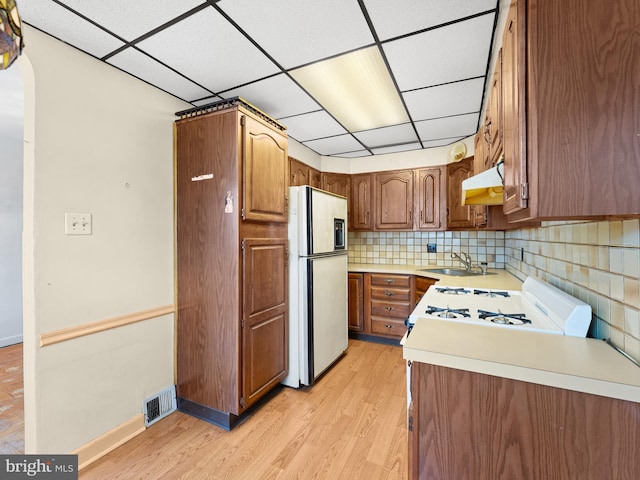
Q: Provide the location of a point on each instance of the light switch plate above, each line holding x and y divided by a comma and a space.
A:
77, 224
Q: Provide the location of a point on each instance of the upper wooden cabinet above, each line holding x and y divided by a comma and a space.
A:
338, 183
493, 121
302, 174
361, 201
393, 196
570, 75
458, 215
430, 208
513, 104
266, 169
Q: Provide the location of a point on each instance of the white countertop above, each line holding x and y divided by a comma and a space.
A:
500, 279
581, 364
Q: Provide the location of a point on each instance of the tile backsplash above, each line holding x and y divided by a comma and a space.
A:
410, 248
597, 262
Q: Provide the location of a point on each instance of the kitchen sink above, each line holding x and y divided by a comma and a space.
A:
456, 272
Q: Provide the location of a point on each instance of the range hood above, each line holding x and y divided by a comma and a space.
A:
485, 188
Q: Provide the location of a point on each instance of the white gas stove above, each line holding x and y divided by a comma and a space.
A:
539, 307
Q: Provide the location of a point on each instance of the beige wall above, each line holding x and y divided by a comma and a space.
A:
97, 141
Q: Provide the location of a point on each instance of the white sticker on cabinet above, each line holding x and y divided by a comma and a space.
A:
207, 176
228, 203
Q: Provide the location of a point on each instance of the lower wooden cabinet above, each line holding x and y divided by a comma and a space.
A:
469, 425
388, 301
422, 285
356, 302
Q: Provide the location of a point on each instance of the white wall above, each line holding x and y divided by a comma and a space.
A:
11, 126
98, 141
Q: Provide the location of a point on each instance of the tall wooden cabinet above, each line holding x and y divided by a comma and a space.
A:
231, 256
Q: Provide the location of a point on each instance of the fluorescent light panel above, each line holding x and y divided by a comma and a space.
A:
356, 89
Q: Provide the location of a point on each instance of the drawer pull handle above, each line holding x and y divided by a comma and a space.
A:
388, 325
389, 280
389, 308
388, 294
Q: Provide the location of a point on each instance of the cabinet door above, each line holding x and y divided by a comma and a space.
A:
298, 173
264, 317
266, 172
315, 178
361, 190
494, 120
429, 201
356, 302
514, 126
393, 194
458, 215
338, 183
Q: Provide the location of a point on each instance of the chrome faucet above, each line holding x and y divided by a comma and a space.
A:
466, 261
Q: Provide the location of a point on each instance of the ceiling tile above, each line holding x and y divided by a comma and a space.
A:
397, 148
388, 135
457, 126
68, 27
206, 101
130, 19
442, 142
210, 51
443, 55
333, 145
392, 19
445, 100
141, 66
360, 153
312, 125
312, 31
278, 96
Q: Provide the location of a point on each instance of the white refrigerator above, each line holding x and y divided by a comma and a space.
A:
318, 331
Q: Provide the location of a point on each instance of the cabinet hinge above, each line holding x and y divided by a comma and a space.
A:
243, 120
242, 402
242, 323
242, 244
524, 191
286, 257
242, 213
410, 424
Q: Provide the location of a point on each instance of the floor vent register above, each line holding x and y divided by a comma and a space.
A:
159, 405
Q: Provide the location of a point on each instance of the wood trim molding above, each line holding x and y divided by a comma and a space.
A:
99, 447
76, 331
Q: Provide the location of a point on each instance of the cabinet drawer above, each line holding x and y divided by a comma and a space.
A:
391, 280
387, 326
394, 294
390, 309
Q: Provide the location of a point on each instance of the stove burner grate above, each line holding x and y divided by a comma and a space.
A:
452, 291
447, 312
504, 318
491, 293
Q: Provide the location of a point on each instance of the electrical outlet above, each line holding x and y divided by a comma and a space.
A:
77, 224
431, 248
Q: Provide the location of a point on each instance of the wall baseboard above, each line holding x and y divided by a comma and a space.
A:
5, 342
105, 443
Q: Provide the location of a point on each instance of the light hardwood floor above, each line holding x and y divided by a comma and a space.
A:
350, 425
11, 400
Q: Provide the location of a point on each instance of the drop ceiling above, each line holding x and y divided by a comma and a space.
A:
437, 54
